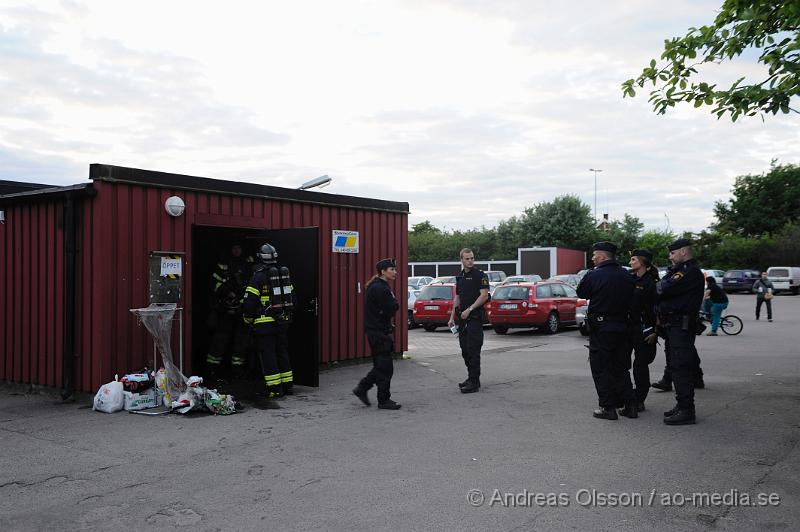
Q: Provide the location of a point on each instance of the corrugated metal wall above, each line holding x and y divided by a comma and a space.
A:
570, 260
124, 222
32, 299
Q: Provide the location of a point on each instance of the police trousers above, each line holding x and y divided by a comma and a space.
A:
643, 356
470, 339
610, 360
667, 369
683, 364
382, 346
272, 345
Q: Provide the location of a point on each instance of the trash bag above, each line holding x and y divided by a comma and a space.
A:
109, 398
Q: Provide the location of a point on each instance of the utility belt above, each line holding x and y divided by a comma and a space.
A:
674, 319
476, 314
595, 319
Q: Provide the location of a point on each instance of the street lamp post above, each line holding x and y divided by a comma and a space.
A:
320, 182
595, 170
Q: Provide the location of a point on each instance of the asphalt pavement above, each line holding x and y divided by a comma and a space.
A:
522, 454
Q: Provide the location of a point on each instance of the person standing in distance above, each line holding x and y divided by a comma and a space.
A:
762, 287
609, 289
381, 305
680, 295
472, 291
643, 322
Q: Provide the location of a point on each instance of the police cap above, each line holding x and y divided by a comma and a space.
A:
605, 246
642, 253
680, 243
385, 264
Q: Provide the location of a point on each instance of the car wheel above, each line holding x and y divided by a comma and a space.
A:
411, 323
429, 328
583, 329
500, 329
552, 323
795, 290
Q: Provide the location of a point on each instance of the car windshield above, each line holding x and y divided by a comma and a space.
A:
432, 293
511, 292
732, 274
775, 272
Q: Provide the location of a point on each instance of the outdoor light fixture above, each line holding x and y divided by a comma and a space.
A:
174, 206
319, 182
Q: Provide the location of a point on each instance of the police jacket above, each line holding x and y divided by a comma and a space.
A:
468, 288
680, 292
380, 307
269, 297
643, 303
609, 289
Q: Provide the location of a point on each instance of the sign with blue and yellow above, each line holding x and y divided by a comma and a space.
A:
345, 241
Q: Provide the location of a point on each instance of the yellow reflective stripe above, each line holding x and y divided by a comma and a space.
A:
272, 380
286, 374
264, 299
213, 360
222, 266
216, 286
252, 290
247, 320
236, 361
286, 377
264, 319
218, 277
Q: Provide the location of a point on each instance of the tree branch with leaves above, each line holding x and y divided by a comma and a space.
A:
773, 27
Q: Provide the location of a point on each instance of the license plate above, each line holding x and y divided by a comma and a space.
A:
733, 281
508, 306
431, 307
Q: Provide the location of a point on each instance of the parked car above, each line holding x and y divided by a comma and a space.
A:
496, 278
662, 272
718, 275
544, 304
419, 281
570, 279
412, 298
532, 278
444, 279
739, 280
433, 305
785, 278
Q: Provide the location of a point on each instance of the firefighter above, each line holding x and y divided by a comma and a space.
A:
268, 308
229, 280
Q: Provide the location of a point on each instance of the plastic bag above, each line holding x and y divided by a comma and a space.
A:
109, 398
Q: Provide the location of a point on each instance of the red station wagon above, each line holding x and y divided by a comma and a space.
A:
545, 304
433, 305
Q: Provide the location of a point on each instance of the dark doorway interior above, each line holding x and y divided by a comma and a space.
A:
297, 250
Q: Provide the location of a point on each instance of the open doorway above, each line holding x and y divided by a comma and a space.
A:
298, 250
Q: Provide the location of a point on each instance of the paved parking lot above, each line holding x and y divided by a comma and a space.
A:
523, 454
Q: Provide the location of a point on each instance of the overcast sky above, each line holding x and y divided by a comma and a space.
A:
468, 110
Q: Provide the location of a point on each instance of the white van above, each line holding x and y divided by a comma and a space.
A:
785, 278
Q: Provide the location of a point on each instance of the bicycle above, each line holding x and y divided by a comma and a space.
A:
730, 324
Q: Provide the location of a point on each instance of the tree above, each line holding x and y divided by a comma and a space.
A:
624, 234
656, 242
761, 203
564, 222
771, 26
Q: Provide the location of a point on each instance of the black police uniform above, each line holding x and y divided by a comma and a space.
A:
230, 278
470, 331
643, 322
268, 308
380, 307
609, 289
680, 295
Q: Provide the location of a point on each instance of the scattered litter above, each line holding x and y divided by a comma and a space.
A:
474, 459
759, 374
140, 401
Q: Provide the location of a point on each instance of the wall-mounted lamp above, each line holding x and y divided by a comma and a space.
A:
174, 206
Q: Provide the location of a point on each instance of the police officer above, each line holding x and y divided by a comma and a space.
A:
380, 306
268, 308
229, 280
609, 289
680, 295
643, 321
472, 291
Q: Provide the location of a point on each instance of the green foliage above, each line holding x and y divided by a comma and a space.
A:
770, 26
624, 233
761, 203
564, 222
656, 242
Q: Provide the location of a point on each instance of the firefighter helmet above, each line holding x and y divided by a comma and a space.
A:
267, 253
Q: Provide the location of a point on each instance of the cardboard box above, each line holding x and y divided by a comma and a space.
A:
140, 401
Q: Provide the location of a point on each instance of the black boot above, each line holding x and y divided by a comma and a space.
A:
605, 413
471, 387
671, 412
699, 383
664, 386
362, 395
681, 417
462, 384
288, 388
640, 406
389, 405
629, 411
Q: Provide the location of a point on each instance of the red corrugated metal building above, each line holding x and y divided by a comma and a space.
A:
76, 259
